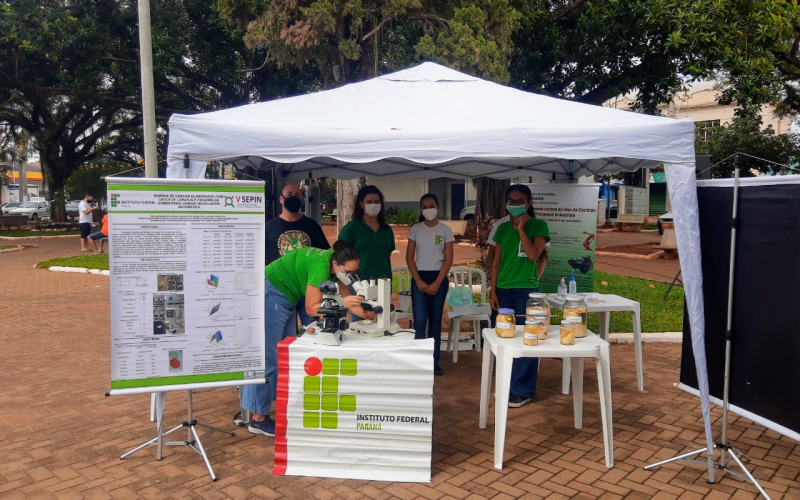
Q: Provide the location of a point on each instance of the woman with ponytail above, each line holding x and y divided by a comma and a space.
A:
520, 243
296, 275
429, 257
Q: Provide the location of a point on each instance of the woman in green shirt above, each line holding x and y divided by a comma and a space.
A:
520, 243
370, 234
296, 275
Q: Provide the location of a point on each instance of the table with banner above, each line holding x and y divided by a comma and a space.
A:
360, 410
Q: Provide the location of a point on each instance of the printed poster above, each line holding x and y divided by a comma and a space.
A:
187, 283
570, 211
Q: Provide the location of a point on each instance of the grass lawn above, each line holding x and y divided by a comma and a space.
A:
99, 261
28, 232
6, 247
658, 315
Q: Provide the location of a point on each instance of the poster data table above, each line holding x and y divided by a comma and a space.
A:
186, 264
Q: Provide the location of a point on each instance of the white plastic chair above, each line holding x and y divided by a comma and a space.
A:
463, 276
402, 276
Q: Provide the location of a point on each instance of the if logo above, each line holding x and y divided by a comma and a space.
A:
114, 199
321, 399
439, 239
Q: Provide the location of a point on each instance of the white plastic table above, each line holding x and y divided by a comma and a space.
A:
611, 303
505, 350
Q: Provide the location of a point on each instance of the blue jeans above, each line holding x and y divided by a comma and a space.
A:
524, 371
305, 319
428, 311
280, 321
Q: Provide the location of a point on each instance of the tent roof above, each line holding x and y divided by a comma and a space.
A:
429, 121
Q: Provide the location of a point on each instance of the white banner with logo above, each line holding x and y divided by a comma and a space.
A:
361, 410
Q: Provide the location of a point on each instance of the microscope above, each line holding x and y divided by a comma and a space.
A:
378, 299
333, 315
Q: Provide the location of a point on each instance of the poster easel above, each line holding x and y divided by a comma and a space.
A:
186, 293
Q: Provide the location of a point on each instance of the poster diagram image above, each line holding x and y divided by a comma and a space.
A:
243, 335
242, 308
212, 282
248, 281
214, 309
170, 282
584, 264
175, 361
216, 338
168, 314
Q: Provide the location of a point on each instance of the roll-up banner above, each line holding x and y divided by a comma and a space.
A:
570, 211
186, 262
765, 372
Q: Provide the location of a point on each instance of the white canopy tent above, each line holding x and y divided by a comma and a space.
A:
430, 121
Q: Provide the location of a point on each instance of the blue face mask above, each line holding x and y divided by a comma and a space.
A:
516, 211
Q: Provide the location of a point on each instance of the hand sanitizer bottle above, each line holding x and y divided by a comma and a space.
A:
573, 285
562, 290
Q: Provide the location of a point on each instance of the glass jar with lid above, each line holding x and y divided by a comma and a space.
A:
575, 306
535, 328
506, 322
567, 332
538, 302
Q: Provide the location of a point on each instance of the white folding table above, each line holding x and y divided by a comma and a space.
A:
505, 350
611, 303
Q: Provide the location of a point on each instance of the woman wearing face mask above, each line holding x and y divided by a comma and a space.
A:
370, 234
429, 257
520, 243
288, 279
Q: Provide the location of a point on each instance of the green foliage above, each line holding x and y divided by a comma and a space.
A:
96, 261
756, 48
69, 75
88, 179
7, 247
25, 233
745, 135
403, 216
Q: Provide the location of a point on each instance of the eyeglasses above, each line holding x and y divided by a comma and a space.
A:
516, 203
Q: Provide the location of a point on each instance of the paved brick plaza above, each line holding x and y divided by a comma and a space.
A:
61, 438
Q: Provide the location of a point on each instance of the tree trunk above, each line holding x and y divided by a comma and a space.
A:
490, 198
56, 183
346, 192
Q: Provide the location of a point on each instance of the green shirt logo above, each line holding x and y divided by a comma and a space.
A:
321, 398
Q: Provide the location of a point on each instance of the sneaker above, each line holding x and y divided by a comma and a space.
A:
437, 370
265, 427
517, 401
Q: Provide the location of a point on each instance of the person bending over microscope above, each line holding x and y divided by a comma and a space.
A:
296, 275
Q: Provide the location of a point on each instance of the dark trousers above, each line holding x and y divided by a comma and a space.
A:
428, 312
524, 371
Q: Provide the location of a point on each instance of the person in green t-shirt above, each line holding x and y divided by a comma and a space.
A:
296, 275
370, 234
520, 243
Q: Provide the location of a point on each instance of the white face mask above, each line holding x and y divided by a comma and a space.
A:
372, 209
430, 213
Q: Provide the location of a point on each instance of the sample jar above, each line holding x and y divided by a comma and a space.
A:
567, 332
575, 306
530, 335
535, 328
506, 323
538, 302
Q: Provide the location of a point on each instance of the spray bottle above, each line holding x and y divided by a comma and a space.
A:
562, 290
573, 285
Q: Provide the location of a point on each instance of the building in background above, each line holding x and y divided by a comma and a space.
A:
698, 101
36, 187
454, 194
